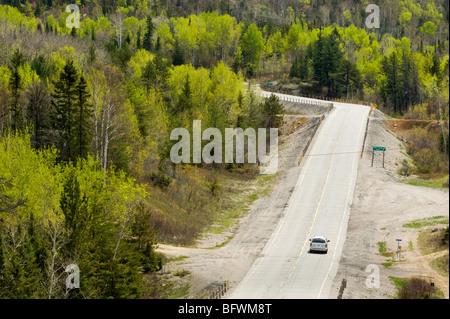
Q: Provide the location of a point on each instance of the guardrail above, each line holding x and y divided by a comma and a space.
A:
296, 99
310, 139
220, 290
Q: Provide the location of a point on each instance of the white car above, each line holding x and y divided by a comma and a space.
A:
319, 243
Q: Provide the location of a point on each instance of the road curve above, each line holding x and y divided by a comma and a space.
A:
319, 205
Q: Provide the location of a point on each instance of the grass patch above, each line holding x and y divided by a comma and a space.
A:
179, 291
158, 286
430, 221
441, 265
179, 258
398, 282
182, 273
382, 249
432, 182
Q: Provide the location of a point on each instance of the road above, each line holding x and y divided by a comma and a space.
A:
319, 205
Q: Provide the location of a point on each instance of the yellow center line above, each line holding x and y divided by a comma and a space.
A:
291, 270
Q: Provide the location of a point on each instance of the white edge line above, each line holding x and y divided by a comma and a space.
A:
348, 204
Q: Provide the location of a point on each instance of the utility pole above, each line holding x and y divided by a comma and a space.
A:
440, 121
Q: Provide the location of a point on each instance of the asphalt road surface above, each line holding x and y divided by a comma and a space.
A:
319, 205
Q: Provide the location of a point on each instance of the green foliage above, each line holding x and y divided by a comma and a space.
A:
273, 111
97, 121
252, 48
71, 216
72, 112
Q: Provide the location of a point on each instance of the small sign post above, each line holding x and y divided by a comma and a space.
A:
378, 148
399, 249
431, 290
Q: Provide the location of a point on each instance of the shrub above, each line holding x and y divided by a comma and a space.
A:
415, 288
445, 237
214, 187
424, 148
405, 169
427, 160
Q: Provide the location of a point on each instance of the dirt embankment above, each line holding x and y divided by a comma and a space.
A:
381, 207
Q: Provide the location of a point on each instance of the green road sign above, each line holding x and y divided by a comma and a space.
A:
378, 148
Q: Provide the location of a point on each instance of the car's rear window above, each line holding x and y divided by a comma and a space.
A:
318, 240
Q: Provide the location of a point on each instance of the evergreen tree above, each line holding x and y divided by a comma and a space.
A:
82, 117
138, 40
178, 56
327, 58
149, 75
64, 101
92, 57
148, 38
74, 207
391, 90
300, 67
185, 99
272, 109
38, 111
347, 78
15, 86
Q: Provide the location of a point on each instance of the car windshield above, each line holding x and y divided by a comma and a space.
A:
318, 240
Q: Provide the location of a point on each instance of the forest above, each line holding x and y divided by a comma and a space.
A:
86, 112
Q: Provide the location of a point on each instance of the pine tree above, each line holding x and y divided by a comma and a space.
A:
272, 108
138, 40
178, 57
148, 41
82, 117
327, 58
74, 207
15, 86
391, 89
64, 101
148, 78
37, 111
185, 98
319, 61
300, 67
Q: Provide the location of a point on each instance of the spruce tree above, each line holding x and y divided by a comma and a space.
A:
15, 86
64, 101
272, 109
74, 207
391, 89
138, 40
82, 118
178, 57
148, 41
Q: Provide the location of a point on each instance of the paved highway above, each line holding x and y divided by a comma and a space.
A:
319, 205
